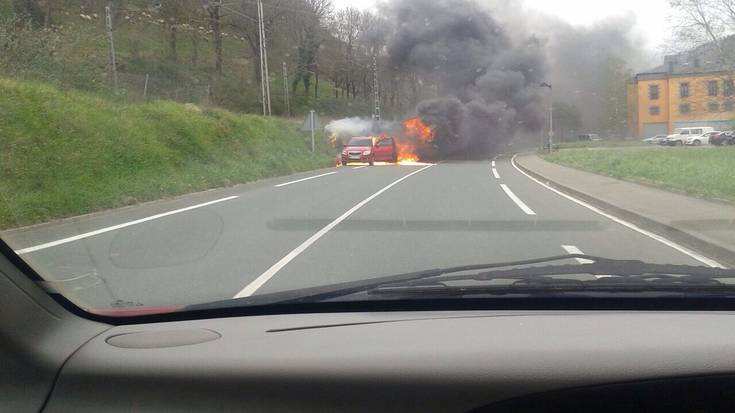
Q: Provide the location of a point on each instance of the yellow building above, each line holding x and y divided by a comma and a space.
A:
688, 91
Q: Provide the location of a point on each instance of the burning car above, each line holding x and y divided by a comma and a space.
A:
367, 149
403, 143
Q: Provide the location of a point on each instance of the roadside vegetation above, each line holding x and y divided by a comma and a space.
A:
607, 143
700, 172
65, 153
173, 44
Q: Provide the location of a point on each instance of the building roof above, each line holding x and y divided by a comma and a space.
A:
705, 58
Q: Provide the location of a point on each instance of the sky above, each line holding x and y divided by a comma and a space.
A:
651, 15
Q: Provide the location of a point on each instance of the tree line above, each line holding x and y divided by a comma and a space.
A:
317, 41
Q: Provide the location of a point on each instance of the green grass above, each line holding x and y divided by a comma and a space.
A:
69, 153
600, 144
700, 172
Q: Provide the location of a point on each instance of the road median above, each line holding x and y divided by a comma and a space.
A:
703, 226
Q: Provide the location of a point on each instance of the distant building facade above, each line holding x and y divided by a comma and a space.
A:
690, 89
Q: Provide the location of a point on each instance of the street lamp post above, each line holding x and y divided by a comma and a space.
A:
551, 115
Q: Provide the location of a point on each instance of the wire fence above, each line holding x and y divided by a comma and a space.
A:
147, 87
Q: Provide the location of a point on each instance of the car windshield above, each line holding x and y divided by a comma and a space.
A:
361, 142
158, 155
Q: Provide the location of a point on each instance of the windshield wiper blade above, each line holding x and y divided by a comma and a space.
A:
599, 266
617, 276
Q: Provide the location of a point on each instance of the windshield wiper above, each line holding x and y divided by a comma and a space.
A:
620, 275
613, 276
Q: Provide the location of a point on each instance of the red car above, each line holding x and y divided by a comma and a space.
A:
367, 150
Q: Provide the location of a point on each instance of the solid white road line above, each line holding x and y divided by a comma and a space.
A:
305, 179
116, 227
517, 200
665, 241
495, 173
360, 167
571, 249
270, 272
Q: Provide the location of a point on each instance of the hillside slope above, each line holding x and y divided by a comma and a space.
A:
69, 153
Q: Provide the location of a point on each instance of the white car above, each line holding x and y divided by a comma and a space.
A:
689, 136
701, 140
655, 139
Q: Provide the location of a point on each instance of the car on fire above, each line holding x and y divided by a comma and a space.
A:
365, 149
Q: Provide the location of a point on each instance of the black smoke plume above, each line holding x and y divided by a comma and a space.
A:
487, 84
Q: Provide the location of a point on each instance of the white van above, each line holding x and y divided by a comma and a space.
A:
689, 136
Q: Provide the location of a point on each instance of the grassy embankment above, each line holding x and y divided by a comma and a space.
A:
69, 153
703, 172
600, 144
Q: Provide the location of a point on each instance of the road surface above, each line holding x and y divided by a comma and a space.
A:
323, 227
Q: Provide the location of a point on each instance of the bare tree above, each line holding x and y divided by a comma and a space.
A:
700, 22
245, 22
347, 26
214, 9
172, 13
194, 19
307, 24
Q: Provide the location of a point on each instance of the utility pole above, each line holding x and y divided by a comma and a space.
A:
264, 77
262, 69
111, 51
376, 85
285, 90
551, 115
311, 120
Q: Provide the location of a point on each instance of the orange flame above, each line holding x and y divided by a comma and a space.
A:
406, 151
418, 132
416, 128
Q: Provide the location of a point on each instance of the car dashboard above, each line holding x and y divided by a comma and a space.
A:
422, 361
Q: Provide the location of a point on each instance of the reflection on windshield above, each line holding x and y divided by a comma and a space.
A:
154, 156
361, 142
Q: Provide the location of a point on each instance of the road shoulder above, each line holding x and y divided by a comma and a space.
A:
704, 226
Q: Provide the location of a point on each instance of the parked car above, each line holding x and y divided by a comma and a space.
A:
700, 140
688, 136
655, 140
367, 150
589, 137
723, 138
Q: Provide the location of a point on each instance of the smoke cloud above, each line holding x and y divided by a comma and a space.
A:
344, 129
479, 65
487, 83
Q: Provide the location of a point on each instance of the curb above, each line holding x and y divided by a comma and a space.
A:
713, 251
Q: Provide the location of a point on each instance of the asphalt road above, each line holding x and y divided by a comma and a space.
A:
317, 228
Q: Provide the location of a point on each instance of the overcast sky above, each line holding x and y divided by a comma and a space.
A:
651, 15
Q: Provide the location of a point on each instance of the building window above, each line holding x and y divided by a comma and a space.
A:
728, 106
684, 108
653, 92
684, 90
729, 87
712, 88
713, 107
654, 111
